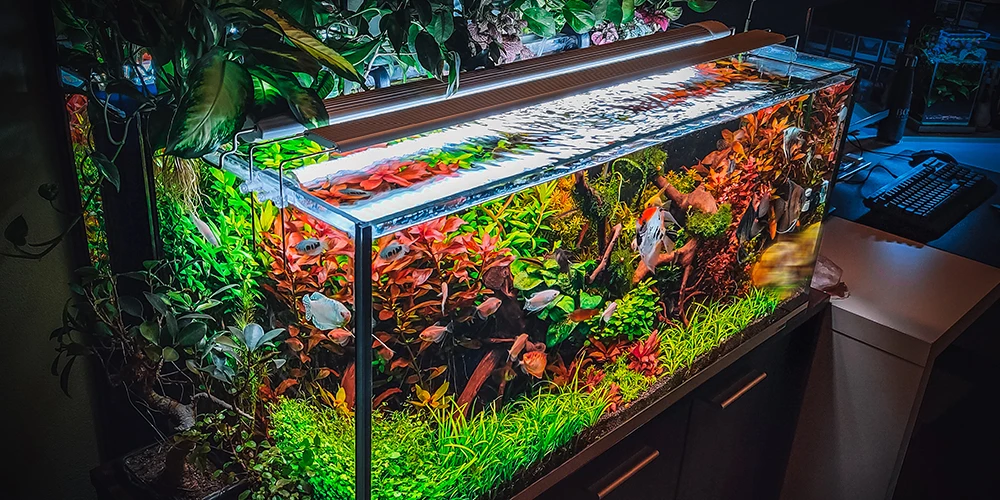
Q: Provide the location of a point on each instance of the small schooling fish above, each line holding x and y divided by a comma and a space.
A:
324, 312
340, 336
436, 333
356, 194
488, 307
393, 251
519, 343
540, 300
312, 246
444, 296
206, 232
581, 315
609, 311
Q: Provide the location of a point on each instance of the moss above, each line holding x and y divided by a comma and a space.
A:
683, 181
708, 225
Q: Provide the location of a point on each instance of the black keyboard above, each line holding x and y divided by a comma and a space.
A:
928, 200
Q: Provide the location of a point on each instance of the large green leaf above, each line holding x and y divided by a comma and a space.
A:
578, 16
303, 12
325, 55
540, 21
442, 23
701, 5
305, 103
628, 10
270, 50
613, 13
428, 52
600, 10
212, 108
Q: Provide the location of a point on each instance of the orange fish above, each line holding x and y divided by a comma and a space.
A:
533, 363
518, 346
340, 336
582, 315
435, 333
488, 307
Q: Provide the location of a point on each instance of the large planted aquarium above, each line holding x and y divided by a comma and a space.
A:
447, 294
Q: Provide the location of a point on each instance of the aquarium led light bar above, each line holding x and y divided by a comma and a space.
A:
519, 85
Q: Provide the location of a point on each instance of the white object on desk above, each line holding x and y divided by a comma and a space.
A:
908, 302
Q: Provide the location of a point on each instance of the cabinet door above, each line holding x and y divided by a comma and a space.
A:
743, 421
644, 466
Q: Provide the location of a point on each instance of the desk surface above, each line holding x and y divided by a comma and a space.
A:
976, 237
908, 299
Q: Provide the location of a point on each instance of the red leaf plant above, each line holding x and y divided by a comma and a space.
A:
644, 357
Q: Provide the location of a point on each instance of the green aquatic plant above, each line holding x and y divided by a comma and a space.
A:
631, 384
522, 220
682, 180
423, 455
635, 315
708, 225
711, 324
570, 279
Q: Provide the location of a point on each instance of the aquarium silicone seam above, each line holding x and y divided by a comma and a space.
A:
363, 314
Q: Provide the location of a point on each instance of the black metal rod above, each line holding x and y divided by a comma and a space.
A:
363, 315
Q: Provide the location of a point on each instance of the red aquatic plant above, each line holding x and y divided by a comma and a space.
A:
644, 357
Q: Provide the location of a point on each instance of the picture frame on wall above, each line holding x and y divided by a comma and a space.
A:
972, 14
819, 40
891, 52
842, 44
948, 9
866, 71
868, 49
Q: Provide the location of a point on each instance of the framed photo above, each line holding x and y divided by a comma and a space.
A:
842, 44
891, 52
819, 40
948, 9
866, 71
972, 13
869, 49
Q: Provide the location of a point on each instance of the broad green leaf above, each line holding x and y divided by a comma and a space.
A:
305, 103
673, 13
394, 25
192, 334
213, 107
540, 22
269, 336
614, 13
454, 63
525, 281
558, 332
252, 334
272, 51
588, 301
170, 355
600, 10
578, 16
442, 23
158, 302
107, 168
428, 52
628, 10
303, 12
131, 306
325, 55
150, 331
566, 303
701, 5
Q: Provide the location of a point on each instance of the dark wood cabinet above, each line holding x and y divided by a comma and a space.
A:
743, 421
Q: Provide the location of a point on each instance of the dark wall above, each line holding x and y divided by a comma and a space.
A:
49, 441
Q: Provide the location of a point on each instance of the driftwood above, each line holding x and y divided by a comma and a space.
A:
699, 198
481, 374
607, 254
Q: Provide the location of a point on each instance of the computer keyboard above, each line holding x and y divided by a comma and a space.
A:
931, 198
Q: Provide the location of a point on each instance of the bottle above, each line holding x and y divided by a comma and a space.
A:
891, 128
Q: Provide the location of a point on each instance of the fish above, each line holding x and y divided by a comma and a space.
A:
394, 251
842, 115
340, 336
752, 222
519, 343
792, 135
791, 206
541, 300
444, 295
359, 194
324, 312
651, 233
533, 363
312, 246
609, 311
206, 232
436, 333
581, 315
488, 307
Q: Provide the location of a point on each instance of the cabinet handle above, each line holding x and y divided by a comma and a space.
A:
605, 486
743, 390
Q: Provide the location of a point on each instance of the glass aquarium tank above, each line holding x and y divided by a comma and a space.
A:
461, 291
949, 71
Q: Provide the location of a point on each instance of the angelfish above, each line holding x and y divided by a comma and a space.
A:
393, 251
791, 136
312, 246
324, 312
651, 233
540, 300
206, 232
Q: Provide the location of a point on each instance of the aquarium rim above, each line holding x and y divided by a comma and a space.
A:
516, 86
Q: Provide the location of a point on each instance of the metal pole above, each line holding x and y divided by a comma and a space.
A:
363, 324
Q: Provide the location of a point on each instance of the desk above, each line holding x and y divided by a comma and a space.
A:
976, 237
908, 302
